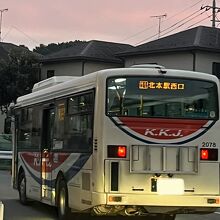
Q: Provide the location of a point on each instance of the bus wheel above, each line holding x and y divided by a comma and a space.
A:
22, 189
62, 201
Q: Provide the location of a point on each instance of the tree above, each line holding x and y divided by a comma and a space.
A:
17, 76
23, 46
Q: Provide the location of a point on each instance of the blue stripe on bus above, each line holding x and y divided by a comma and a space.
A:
69, 174
76, 167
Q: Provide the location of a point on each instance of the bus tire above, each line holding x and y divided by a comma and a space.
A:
22, 189
62, 201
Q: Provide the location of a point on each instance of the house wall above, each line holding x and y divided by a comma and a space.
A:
204, 61
183, 60
62, 69
75, 68
94, 66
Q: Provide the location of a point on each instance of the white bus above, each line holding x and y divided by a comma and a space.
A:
132, 141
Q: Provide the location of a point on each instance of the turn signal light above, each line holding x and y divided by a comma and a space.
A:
213, 201
117, 151
209, 154
115, 198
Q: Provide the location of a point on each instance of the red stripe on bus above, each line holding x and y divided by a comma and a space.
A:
49, 163
163, 128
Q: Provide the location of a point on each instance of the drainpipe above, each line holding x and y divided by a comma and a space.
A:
194, 60
83, 67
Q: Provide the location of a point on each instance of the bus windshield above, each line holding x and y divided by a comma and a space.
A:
160, 97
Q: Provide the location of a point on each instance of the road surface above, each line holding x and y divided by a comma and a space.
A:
36, 211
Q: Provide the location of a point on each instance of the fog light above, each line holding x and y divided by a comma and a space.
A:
114, 198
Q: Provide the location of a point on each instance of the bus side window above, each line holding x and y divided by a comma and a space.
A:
79, 123
36, 127
28, 125
60, 114
25, 127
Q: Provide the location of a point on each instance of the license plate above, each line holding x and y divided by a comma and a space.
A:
169, 186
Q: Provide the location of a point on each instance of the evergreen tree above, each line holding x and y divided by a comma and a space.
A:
17, 76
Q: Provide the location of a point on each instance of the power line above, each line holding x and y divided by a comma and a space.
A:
140, 32
10, 29
186, 9
198, 22
184, 23
19, 30
148, 28
146, 39
33, 40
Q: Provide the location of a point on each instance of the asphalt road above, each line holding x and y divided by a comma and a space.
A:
37, 211
16, 211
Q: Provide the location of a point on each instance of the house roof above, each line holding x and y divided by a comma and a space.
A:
91, 50
201, 37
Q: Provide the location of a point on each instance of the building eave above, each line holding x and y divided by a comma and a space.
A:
79, 58
167, 50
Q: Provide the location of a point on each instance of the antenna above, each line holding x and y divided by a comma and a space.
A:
159, 17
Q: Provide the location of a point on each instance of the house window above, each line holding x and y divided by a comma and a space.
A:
216, 69
50, 73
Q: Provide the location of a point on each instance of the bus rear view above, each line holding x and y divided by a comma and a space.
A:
167, 123
129, 141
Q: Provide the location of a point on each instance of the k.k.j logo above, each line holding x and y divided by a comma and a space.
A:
163, 132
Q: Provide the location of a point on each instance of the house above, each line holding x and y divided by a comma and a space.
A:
196, 49
83, 58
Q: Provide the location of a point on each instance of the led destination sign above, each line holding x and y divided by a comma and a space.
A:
161, 85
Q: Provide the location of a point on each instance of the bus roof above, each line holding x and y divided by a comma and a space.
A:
51, 82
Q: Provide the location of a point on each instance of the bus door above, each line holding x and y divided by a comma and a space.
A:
46, 162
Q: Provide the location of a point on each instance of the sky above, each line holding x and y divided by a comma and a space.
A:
35, 22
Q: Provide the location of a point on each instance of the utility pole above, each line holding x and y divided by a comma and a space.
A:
159, 17
214, 11
1, 11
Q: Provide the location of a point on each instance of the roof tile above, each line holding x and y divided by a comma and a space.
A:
201, 37
91, 50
